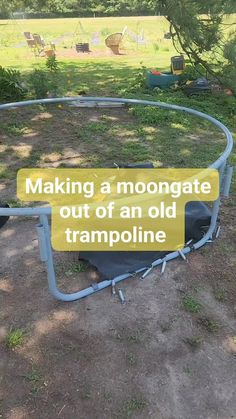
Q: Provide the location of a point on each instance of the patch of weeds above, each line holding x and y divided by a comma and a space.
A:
210, 325
135, 151
165, 327
131, 406
14, 338
141, 132
234, 339
13, 129
131, 359
97, 127
70, 269
5, 173
194, 342
34, 376
190, 304
34, 391
108, 396
188, 370
33, 160
15, 203
135, 337
52, 64
220, 294
39, 83
85, 393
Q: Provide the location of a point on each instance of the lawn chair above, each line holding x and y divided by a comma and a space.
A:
28, 35
39, 40
114, 42
34, 42
33, 46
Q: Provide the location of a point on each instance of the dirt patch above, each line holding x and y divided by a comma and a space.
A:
72, 53
98, 358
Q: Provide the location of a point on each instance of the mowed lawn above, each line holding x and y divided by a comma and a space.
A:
103, 74
66, 32
153, 51
100, 73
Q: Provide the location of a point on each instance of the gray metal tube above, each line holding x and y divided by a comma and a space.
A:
42, 242
227, 180
52, 277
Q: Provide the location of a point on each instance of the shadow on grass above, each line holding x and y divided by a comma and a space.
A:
100, 77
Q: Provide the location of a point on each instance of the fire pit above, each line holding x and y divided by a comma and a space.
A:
82, 47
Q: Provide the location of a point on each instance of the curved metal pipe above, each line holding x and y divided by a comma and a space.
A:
43, 213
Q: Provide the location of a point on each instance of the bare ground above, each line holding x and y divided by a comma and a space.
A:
96, 358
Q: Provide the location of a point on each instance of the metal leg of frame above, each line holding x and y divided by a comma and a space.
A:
47, 257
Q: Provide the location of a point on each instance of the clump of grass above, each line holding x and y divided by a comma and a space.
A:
194, 342
108, 396
5, 173
188, 370
132, 359
97, 127
14, 338
36, 380
33, 159
86, 391
15, 203
209, 324
190, 304
220, 295
135, 337
79, 267
165, 327
69, 269
15, 129
34, 376
131, 406
135, 151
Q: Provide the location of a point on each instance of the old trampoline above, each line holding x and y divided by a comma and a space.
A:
122, 265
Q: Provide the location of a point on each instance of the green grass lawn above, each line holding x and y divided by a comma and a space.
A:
173, 139
66, 32
14, 52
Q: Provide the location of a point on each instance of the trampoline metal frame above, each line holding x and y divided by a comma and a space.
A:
43, 228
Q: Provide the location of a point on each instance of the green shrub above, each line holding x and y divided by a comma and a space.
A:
192, 72
52, 64
11, 86
39, 83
